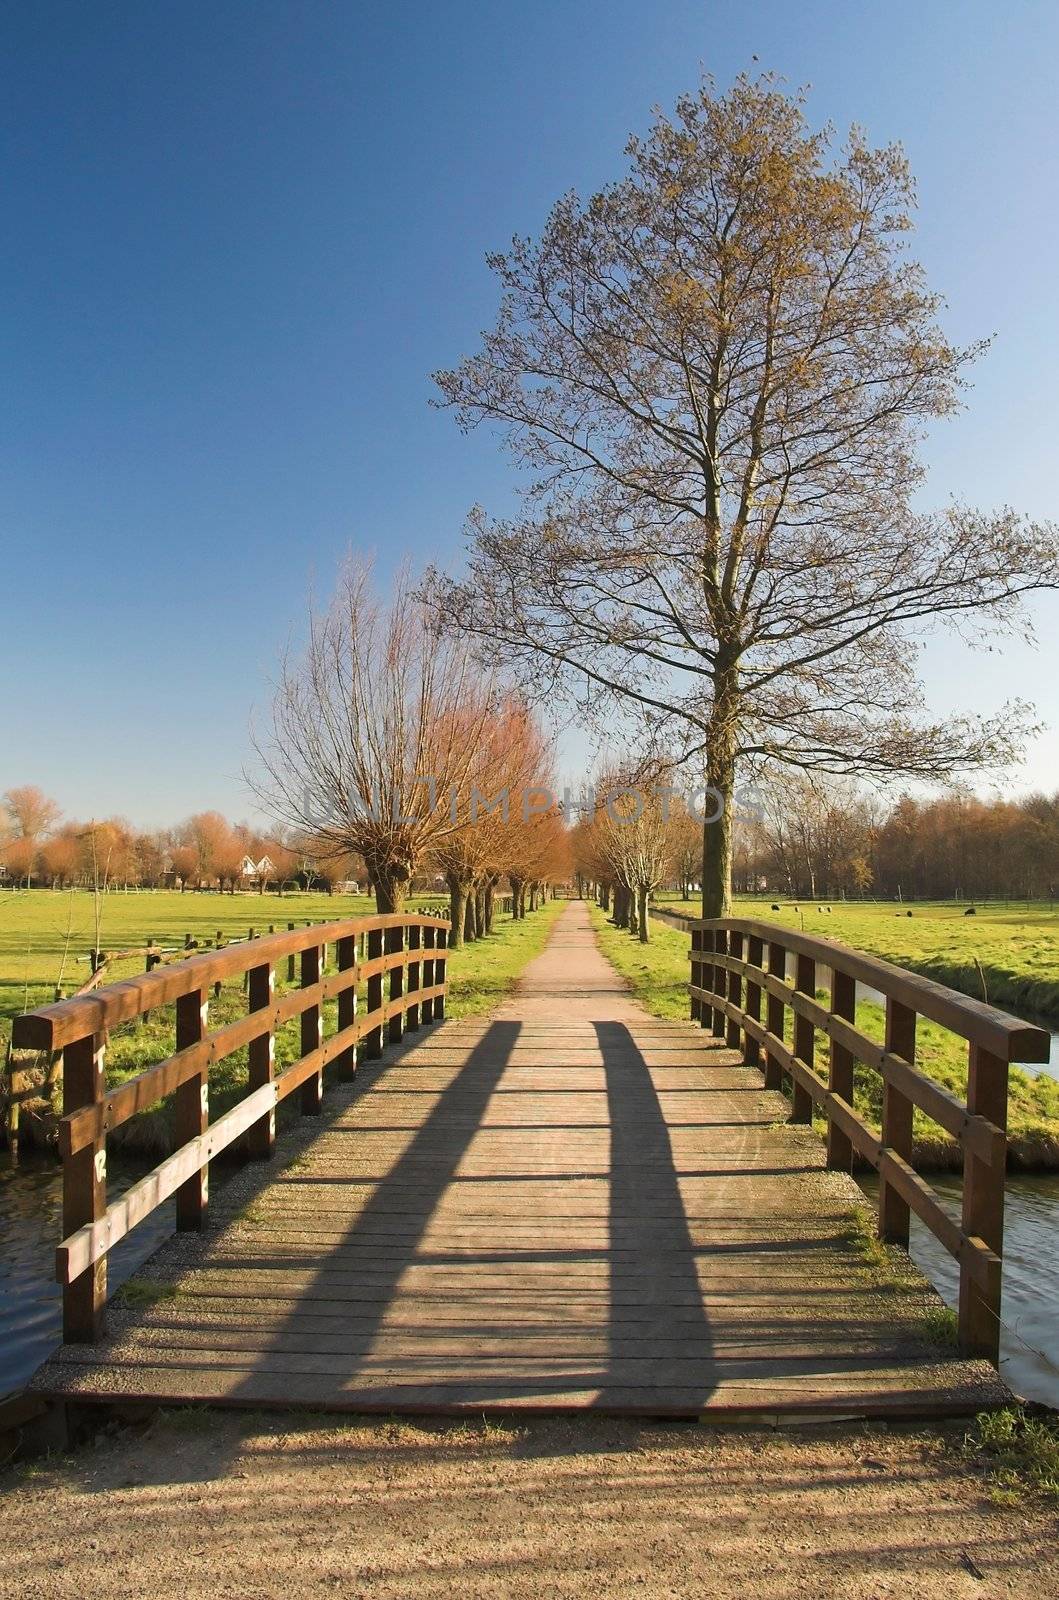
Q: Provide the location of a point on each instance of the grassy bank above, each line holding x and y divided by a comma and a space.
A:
1007, 953
479, 976
658, 974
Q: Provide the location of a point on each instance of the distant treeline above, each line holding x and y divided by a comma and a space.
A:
817, 840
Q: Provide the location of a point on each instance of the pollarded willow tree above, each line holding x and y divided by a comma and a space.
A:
374, 727
718, 370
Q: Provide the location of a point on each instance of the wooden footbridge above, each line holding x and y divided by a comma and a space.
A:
566, 1205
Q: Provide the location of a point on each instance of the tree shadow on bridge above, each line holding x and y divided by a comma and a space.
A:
623, 1316
659, 1331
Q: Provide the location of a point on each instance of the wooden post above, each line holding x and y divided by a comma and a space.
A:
441, 970
718, 983
153, 958
733, 1031
983, 1206
191, 1111
774, 1014
755, 956
804, 1041
395, 1026
896, 1122
426, 1010
290, 958
312, 1032
261, 1055
84, 1190
373, 1038
840, 1071
415, 943
246, 974
696, 973
346, 953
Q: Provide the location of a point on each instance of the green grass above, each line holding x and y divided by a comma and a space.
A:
479, 976
658, 972
658, 975
34, 925
1015, 944
1020, 1453
142, 1292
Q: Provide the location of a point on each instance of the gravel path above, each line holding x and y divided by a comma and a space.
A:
208, 1504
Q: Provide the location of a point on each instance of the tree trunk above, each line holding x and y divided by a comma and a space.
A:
644, 930
717, 832
457, 911
487, 904
470, 923
389, 894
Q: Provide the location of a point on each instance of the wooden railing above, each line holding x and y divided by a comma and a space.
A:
408, 952
737, 965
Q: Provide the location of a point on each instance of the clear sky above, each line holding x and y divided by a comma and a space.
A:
240, 235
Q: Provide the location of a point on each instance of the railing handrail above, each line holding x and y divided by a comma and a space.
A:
737, 963
53, 1026
408, 950
974, 1020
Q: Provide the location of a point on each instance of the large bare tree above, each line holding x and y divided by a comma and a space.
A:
717, 371
374, 727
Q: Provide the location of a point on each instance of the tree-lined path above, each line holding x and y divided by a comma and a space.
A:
568, 1204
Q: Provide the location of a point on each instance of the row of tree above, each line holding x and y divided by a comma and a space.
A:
393, 758
812, 840
205, 851
396, 741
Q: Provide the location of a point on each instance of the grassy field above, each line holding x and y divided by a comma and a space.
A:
1015, 944
38, 926
35, 934
658, 974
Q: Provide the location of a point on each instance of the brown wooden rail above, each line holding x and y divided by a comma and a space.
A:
737, 965
408, 952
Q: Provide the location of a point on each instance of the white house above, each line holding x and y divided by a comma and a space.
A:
254, 871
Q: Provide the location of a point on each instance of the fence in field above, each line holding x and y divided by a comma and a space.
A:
406, 952
736, 964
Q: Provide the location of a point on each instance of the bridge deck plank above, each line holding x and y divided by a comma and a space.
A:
527, 1213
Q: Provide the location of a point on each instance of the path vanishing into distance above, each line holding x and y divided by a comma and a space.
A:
568, 1204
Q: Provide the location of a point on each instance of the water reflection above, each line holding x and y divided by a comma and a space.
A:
1030, 1310
30, 1228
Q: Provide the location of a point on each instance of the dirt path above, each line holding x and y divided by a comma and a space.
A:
571, 980
205, 1505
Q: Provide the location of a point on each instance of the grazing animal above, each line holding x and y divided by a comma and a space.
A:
970, 912
828, 910
908, 913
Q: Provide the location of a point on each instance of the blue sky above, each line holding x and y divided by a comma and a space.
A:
240, 236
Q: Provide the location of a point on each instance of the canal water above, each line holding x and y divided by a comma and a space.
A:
30, 1228
31, 1214
1029, 1334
